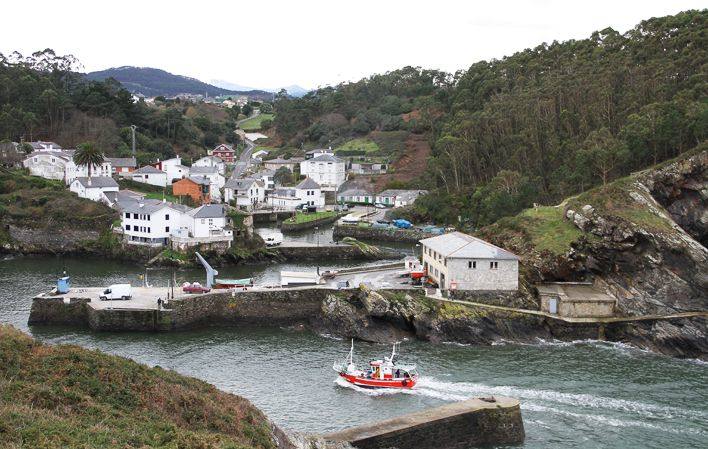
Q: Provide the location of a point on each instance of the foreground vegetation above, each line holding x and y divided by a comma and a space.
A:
257, 123
69, 397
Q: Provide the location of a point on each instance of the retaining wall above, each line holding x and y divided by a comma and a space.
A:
329, 252
288, 227
381, 234
465, 424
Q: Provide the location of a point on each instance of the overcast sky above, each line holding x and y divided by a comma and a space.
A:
269, 43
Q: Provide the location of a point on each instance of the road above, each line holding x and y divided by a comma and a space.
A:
244, 160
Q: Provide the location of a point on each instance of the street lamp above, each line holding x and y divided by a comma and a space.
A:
317, 228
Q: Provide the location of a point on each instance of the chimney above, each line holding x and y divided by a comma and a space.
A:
89, 180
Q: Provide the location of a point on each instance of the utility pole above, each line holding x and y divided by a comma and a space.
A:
133, 128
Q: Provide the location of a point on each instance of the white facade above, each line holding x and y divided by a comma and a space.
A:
284, 199
355, 196
457, 261
173, 168
310, 193
326, 170
399, 198
248, 194
211, 161
153, 221
93, 188
51, 165
149, 175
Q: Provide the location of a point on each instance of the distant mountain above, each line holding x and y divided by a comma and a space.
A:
294, 90
153, 82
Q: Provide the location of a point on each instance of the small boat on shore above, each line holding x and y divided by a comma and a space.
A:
384, 373
233, 283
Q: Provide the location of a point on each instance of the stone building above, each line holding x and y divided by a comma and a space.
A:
458, 261
575, 300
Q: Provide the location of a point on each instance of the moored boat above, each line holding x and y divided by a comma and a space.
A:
233, 283
384, 373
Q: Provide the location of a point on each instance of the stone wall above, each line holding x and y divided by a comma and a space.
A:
465, 424
288, 227
330, 252
54, 310
380, 234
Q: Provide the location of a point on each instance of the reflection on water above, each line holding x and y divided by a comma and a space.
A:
580, 394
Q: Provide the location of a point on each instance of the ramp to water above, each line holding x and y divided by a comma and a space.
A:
470, 423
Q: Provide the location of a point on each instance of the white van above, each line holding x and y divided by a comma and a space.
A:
116, 291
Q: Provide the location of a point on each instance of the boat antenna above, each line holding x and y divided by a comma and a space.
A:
351, 354
393, 353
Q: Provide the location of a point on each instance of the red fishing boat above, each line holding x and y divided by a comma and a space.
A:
384, 373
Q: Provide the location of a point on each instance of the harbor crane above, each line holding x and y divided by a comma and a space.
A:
210, 272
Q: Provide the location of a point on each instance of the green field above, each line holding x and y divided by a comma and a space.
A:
254, 123
301, 217
358, 145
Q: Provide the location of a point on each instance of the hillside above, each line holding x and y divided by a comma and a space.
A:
640, 237
69, 397
154, 82
532, 127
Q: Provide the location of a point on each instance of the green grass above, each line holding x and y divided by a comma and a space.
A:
549, 230
390, 142
70, 397
614, 200
254, 123
34, 202
301, 217
160, 196
357, 146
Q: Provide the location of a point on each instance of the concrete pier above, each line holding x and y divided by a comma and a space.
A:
466, 424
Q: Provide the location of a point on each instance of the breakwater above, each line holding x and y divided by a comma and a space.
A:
474, 422
389, 234
309, 252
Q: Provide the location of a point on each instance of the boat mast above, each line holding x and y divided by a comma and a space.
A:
351, 353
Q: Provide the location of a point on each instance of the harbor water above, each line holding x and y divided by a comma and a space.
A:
583, 394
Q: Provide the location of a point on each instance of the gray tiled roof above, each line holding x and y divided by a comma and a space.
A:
354, 192
148, 206
122, 161
39, 145
239, 184
326, 158
307, 183
97, 182
202, 170
200, 180
209, 211
148, 169
462, 246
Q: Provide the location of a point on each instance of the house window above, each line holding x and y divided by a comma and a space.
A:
202, 221
135, 216
127, 215
148, 217
167, 229
127, 227
493, 265
167, 216
472, 264
148, 230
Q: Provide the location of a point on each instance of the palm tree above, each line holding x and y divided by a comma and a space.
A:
88, 155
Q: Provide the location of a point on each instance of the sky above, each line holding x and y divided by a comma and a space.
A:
276, 43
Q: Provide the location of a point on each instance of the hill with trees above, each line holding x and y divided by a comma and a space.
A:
534, 127
153, 82
44, 98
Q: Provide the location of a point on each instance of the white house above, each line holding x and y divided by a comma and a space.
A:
247, 193
284, 199
149, 175
212, 173
152, 222
275, 164
399, 197
51, 165
211, 161
458, 261
122, 165
93, 188
259, 154
208, 220
173, 168
326, 170
267, 176
310, 193
105, 169
355, 196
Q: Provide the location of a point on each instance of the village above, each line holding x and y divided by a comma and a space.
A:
209, 192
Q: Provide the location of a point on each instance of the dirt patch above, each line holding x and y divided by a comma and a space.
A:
409, 166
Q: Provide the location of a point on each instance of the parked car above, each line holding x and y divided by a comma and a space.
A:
116, 291
274, 239
194, 288
380, 206
383, 221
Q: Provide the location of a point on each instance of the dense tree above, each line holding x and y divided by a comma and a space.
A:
283, 176
87, 155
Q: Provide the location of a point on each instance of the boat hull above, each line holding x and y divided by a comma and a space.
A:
379, 383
